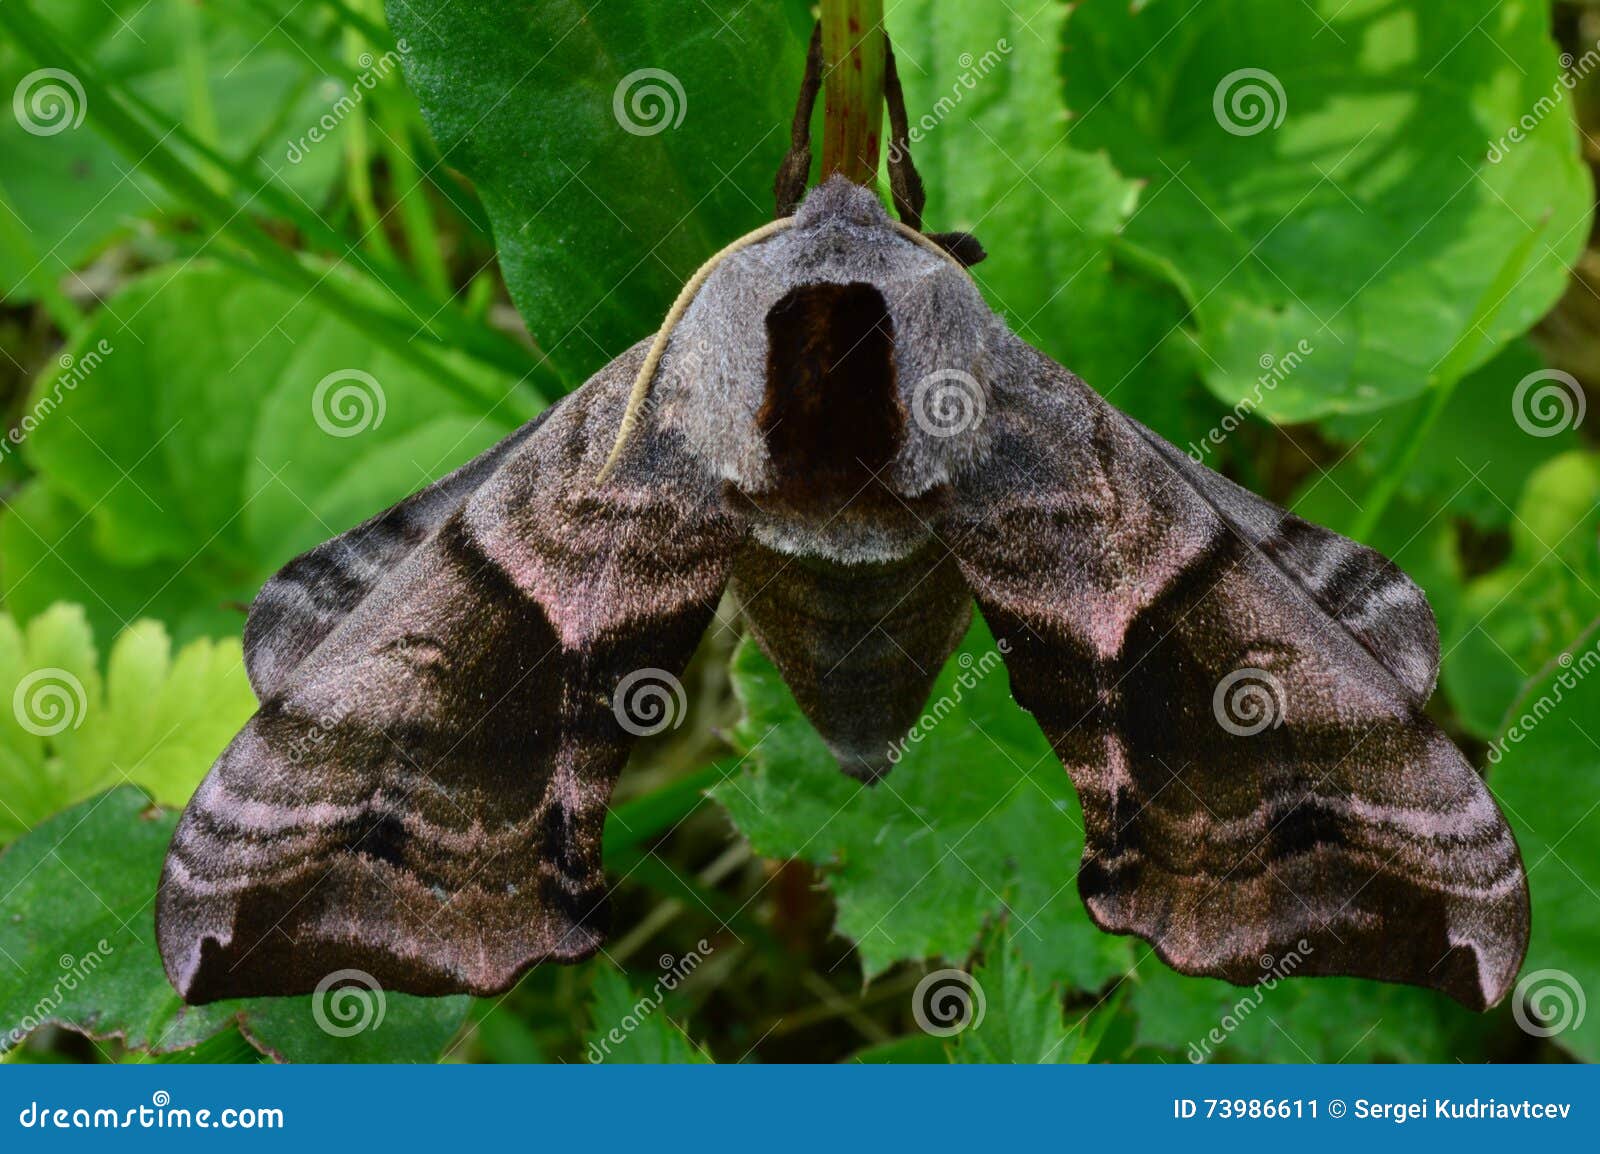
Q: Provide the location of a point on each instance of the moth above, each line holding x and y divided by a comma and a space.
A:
834, 427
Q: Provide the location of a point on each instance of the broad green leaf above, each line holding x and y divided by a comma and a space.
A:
77, 930
232, 425
615, 146
353, 1022
978, 808
990, 138
153, 719
1514, 619
1547, 778
1336, 172
72, 190
77, 948
1475, 460
631, 1027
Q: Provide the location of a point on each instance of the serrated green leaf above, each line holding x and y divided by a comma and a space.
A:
77, 912
1300, 1020
153, 720
627, 1027
1546, 775
1328, 171
918, 863
1022, 1017
615, 146
77, 948
361, 1025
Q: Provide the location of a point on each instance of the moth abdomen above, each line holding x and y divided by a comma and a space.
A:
858, 644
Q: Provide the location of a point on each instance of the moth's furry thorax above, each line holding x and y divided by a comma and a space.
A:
940, 342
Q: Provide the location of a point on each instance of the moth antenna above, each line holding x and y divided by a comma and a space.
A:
789, 187
904, 183
658, 347
923, 240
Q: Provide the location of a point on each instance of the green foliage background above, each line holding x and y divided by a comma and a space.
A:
443, 196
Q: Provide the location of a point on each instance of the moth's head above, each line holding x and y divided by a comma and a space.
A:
837, 375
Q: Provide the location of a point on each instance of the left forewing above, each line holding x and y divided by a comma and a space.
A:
423, 798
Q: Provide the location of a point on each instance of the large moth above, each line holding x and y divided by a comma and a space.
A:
422, 793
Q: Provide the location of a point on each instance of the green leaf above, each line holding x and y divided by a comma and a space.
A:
155, 474
1361, 203
989, 135
615, 146
632, 1028
1514, 619
77, 948
77, 931
918, 863
71, 189
1022, 1019
1547, 778
911, 1050
360, 1024
67, 732
1473, 462
1300, 1020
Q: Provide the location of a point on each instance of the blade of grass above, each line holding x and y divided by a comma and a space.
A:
449, 326
411, 193
630, 825
131, 138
